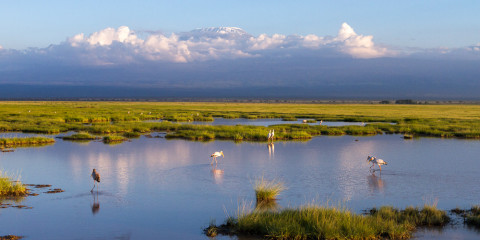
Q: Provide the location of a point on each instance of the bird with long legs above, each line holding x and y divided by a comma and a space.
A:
269, 135
96, 178
374, 160
215, 155
273, 134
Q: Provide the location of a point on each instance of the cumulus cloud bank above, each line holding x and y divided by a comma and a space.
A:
211, 44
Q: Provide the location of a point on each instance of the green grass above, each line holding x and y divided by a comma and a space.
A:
8, 187
471, 216
267, 190
113, 139
447, 121
26, 141
319, 222
80, 136
131, 134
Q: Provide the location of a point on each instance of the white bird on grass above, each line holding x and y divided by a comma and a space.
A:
273, 134
96, 178
215, 155
269, 135
377, 161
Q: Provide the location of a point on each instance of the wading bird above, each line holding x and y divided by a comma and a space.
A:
215, 155
269, 135
273, 134
374, 161
96, 178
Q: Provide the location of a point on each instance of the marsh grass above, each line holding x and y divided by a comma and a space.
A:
9, 187
82, 136
428, 216
447, 121
267, 190
470, 216
26, 141
334, 222
131, 134
473, 217
113, 139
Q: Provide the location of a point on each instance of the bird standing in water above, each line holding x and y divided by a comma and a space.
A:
215, 155
96, 178
377, 161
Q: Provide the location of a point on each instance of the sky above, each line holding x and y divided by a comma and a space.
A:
407, 23
423, 47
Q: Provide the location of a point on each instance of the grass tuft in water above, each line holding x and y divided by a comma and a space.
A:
267, 190
471, 216
8, 187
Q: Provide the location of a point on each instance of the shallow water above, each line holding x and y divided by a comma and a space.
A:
265, 122
168, 189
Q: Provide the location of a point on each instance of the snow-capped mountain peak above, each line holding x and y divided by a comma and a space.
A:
215, 32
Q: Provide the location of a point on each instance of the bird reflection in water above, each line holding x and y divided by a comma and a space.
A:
271, 149
217, 175
375, 183
96, 204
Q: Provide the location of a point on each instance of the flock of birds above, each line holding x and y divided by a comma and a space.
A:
371, 159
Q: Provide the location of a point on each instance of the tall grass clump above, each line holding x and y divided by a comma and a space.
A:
8, 187
267, 190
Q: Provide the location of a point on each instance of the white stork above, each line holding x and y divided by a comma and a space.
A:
377, 161
215, 155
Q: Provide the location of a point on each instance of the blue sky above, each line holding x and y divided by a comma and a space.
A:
407, 23
342, 48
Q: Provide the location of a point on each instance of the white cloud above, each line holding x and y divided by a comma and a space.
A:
358, 45
212, 44
107, 36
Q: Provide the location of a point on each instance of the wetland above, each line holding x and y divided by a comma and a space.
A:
161, 184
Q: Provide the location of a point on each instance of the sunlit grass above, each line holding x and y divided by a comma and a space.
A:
266, 190
9, 187
461, 121
80, 136
113, 139
331, 222
26, 141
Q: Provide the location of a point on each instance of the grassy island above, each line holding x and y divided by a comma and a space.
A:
318, 222
27, 141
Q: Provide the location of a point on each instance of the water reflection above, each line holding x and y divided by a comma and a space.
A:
217, 175
271, 150
375, 183
152, 181
96, 204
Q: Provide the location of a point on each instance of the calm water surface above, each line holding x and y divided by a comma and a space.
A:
167, 189
264, 122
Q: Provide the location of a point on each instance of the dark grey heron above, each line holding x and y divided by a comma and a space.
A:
96, 178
